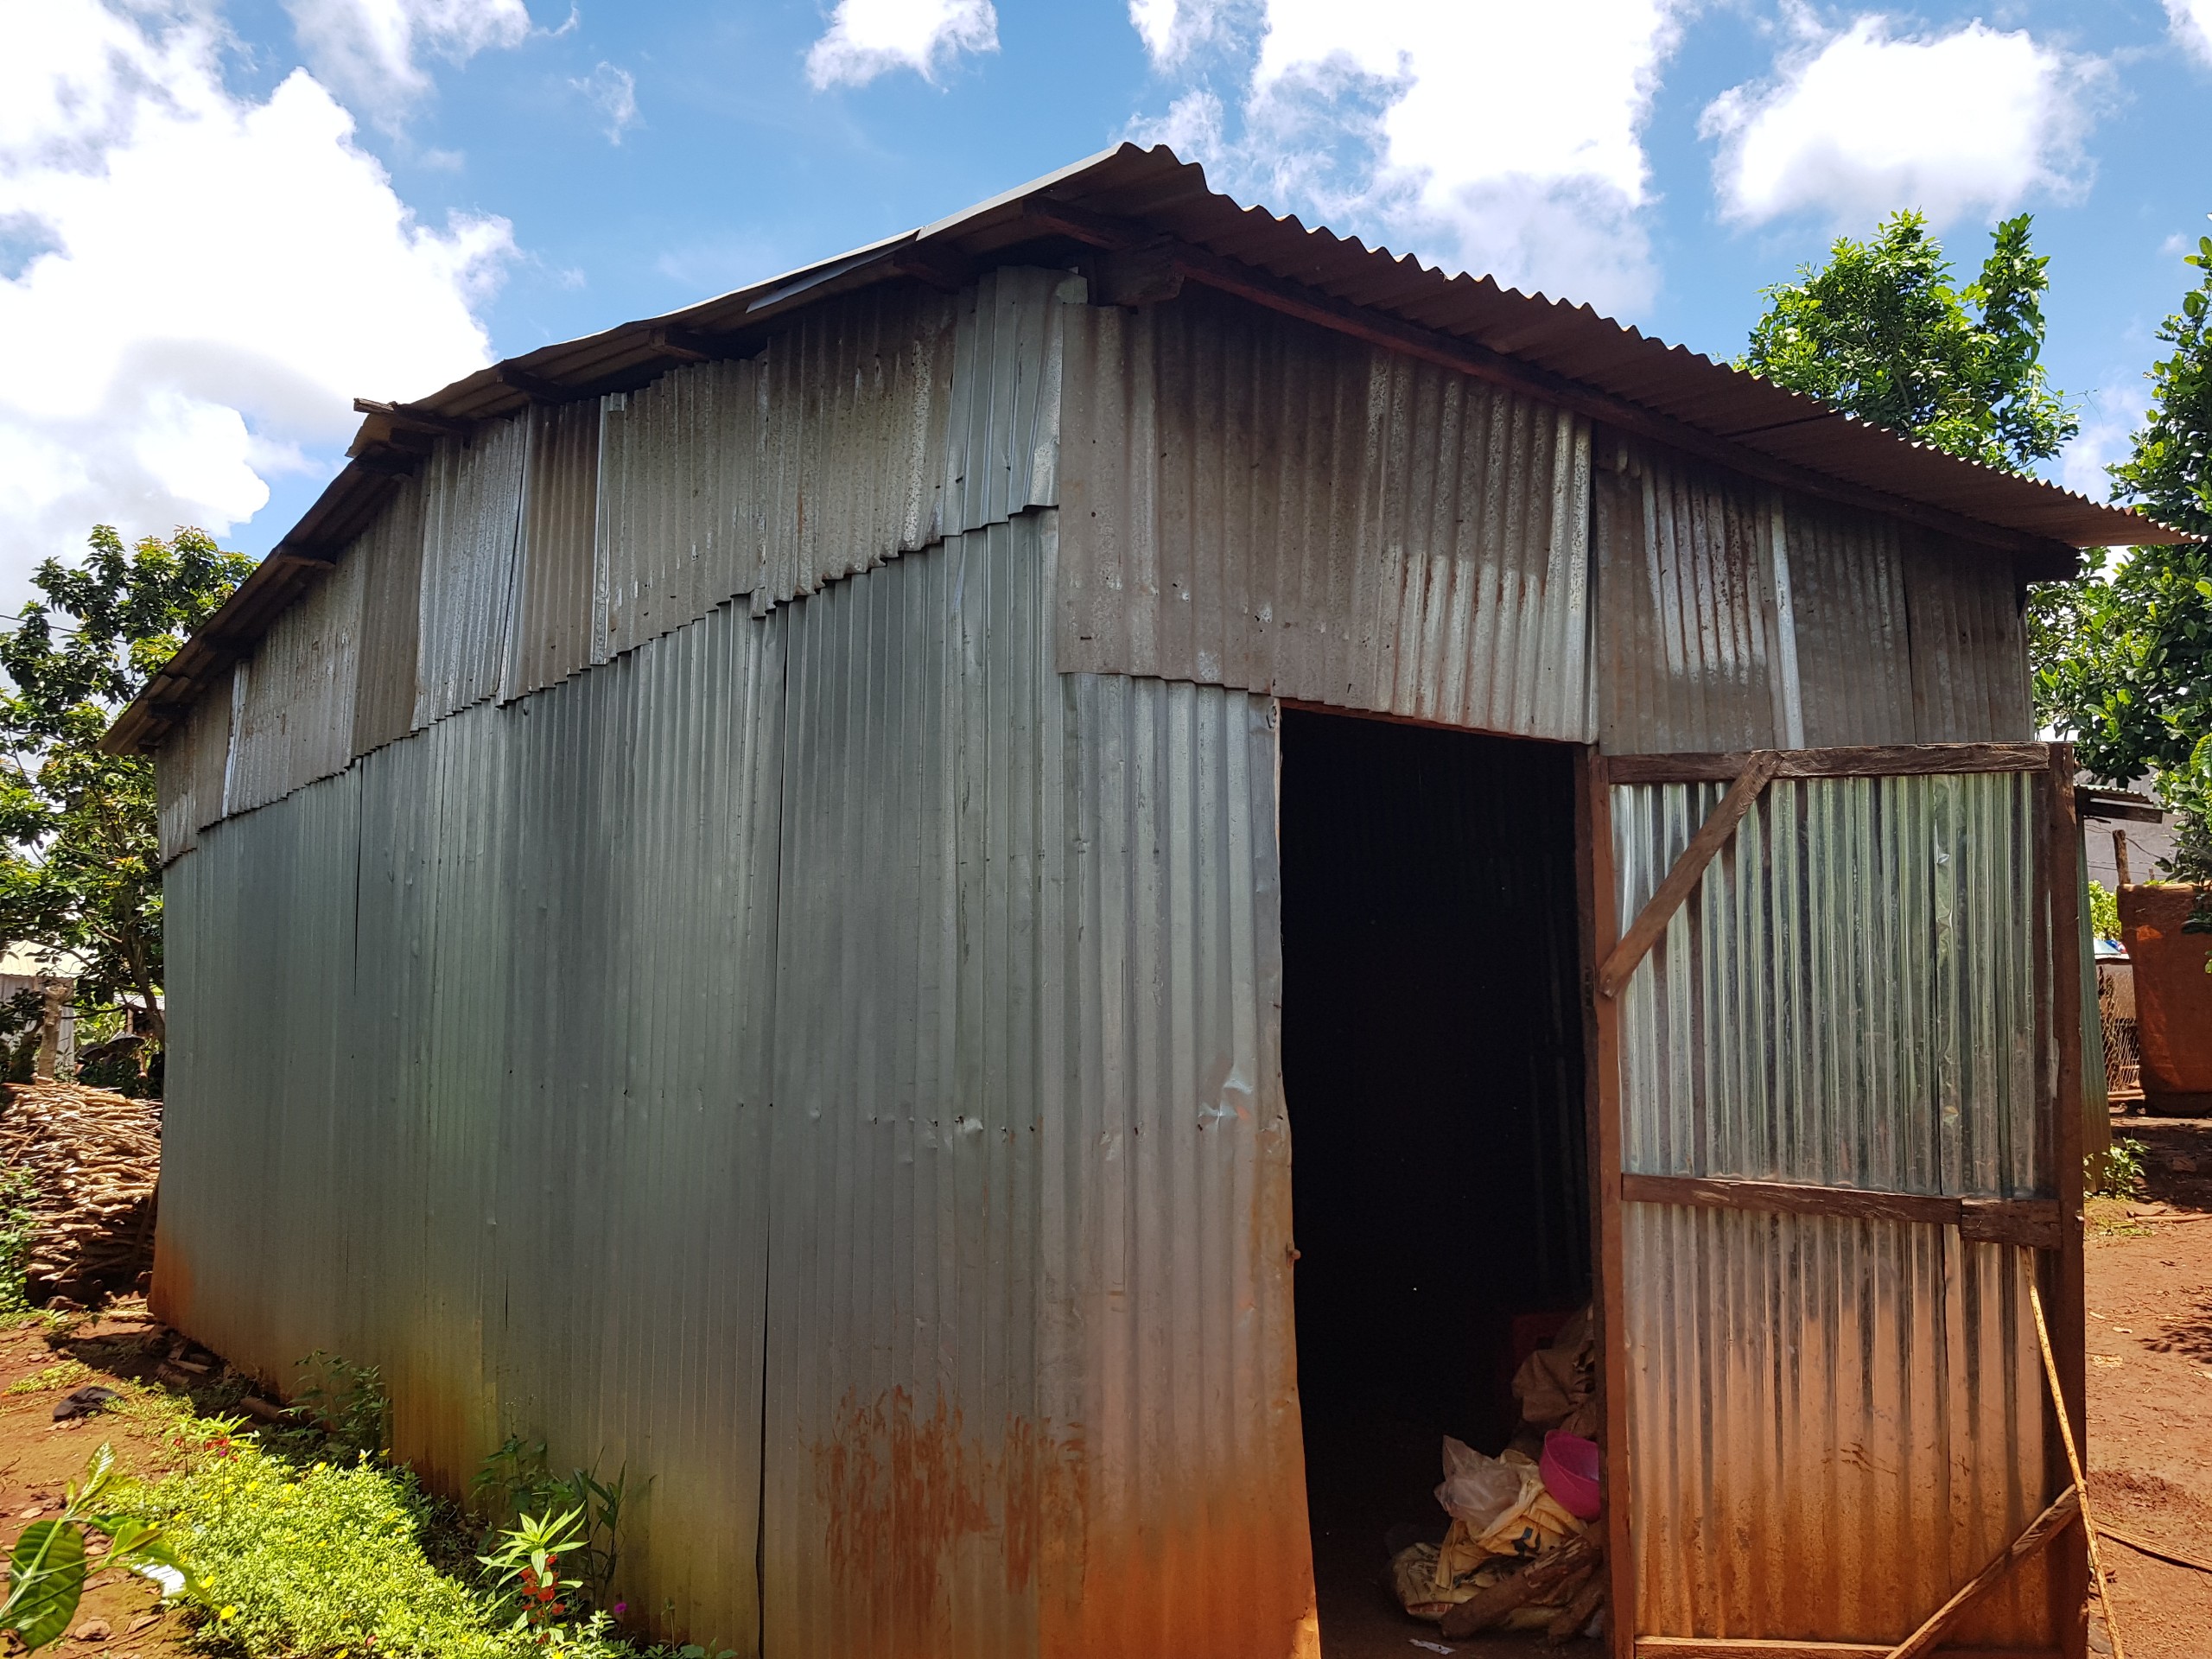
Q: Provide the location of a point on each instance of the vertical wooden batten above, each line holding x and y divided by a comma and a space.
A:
1602, 1090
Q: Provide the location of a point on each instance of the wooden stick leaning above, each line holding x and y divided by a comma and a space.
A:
2074, 1463
2041, 1530
2156, 1552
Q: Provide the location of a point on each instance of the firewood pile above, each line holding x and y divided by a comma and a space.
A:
95, 1159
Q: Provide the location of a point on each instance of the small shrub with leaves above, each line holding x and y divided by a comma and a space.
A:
515, 1483
2116, 1174
345, 1402
18, 1222
47, 1572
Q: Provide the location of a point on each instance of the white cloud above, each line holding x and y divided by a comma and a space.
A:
613, 93
1491, 136
1154, 20
213, 280
2192, 25
866, 38
372, 51
1862, 121
1171, 30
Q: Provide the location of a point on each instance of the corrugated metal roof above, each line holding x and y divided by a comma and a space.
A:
1134, 199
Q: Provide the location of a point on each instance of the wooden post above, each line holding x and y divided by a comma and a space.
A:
2062, 883
1601, 1087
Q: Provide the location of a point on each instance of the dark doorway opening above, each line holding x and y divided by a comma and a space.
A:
1433, 1064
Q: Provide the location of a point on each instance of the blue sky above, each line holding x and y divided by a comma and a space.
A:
218, 223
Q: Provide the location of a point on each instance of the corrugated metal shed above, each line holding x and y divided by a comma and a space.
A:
779, 864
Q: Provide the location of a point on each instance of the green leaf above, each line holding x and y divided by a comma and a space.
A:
45, 1577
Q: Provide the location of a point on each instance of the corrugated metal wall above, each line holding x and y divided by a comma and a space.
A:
482, 1025
472, 519
296, 722
1012, 1261
189, 777
1834, 1422
1732, 617
1690, 638
555, 592
1255, 502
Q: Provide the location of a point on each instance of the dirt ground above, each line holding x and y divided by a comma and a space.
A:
2150, 1452
121, 1614
2150, 1345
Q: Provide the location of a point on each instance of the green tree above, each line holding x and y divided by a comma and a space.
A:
80, 864
2124, 665
1881, 331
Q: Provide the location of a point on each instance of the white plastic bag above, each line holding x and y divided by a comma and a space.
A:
1476, 1489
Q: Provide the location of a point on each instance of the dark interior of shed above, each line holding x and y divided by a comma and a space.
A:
1432, 1064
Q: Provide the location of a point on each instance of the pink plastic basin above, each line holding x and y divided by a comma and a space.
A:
1569, 1467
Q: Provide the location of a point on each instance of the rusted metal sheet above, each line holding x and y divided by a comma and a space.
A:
1003, 443
1257, 503
551, 636
1690, 646
296, 722
391, 554
855, 401
472, 513
1855, 637
188, 773
1734, 617
1851, 999
1030, 1385
679, 507
468, 1067
1150, 201
1969, 644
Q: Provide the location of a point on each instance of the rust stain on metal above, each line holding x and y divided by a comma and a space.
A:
901, 1490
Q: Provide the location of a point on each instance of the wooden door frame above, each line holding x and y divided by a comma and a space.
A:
2056, 903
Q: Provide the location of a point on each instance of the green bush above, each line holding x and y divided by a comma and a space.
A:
315, 1551
321, 1559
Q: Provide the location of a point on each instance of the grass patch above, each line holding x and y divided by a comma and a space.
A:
316, 1554
62, 1374
320, 1559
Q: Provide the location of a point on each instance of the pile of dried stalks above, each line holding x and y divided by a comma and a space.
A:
95, 1158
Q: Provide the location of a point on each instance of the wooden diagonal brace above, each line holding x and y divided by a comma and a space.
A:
2041, 1530
1711, 836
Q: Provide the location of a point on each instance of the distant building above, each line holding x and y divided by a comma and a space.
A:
52, 978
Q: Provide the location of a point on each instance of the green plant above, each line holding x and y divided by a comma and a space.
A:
80, 864
346, 1401
2104, 911
18, 1225
514, 1480
46, 1574
1880, 331
62, 1374
2115, 1174
2123, 660
526, 1569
